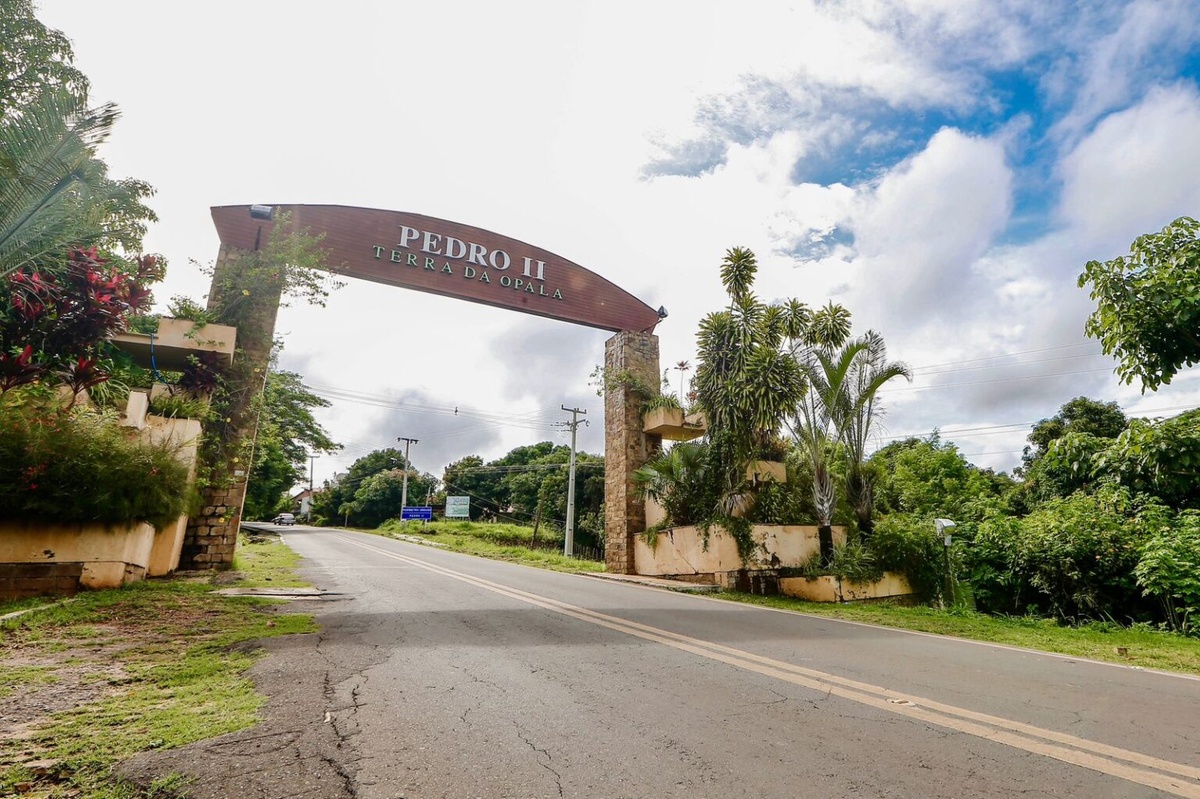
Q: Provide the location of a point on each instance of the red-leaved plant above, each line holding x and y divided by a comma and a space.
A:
61, 317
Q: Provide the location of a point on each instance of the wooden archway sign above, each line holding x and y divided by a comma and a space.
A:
437, 256
423, 253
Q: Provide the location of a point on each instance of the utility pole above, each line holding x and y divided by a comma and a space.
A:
312, 458
569, 542
404, 490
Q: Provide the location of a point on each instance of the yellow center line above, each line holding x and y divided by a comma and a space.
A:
1175, 778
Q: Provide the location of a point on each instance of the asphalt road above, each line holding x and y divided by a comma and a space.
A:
453, 676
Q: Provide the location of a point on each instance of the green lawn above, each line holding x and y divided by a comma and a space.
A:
1138, 646
508, 542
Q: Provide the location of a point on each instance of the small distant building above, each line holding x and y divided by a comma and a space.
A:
302, 503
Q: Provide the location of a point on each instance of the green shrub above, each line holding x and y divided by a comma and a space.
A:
852, 562
1169, 570
909, 545
79, 465
662, 401
179, 406
1073, 558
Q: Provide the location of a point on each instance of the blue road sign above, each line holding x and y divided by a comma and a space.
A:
411, 513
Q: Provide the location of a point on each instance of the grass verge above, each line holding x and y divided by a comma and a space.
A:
508, 542
1136, 646
89, 683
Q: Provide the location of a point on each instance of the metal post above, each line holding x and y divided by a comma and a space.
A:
942, 525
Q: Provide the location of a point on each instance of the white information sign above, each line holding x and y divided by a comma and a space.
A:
458, 507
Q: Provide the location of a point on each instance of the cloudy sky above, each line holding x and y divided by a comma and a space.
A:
943, 168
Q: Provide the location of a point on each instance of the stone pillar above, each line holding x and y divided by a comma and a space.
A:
245, 293
626, 446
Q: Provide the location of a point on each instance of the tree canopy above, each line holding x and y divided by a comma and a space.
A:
34, 60
529, 483
55, 192
287, 434
1148, 304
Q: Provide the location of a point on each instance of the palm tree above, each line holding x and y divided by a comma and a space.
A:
682, 367
54, 192
869, 371
746, 381
826, 371
672, 479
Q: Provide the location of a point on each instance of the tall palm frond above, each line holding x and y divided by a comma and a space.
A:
829, 327
861, 409
49, 179
825, 403
737, 273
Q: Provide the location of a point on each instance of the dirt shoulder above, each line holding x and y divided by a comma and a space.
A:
167, 688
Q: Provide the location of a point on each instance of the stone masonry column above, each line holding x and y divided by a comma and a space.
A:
247, 296
626, 447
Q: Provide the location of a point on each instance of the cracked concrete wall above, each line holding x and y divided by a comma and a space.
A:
626, 446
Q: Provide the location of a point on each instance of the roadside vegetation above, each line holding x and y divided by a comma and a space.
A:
510, 542
88, 682
1141, 645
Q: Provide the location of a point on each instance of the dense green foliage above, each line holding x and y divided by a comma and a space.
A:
529, 485
1169, 570
77, 465
54, 192
1072, 558
1148, 304
287, 435
929, 478
369, 493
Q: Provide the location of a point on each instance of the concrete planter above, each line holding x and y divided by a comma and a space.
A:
767, 470
671, 424
827, 588
39, 557
175, 340
48, 558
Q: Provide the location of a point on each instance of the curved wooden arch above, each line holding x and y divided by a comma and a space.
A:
424, 253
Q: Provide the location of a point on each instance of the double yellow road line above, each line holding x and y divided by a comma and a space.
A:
1177, 779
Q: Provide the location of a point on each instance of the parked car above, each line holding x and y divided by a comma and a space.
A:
284, 518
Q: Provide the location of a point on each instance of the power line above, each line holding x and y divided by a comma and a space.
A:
1007, 355
889, 389
921, 373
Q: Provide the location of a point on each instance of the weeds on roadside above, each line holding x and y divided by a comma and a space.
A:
90, 682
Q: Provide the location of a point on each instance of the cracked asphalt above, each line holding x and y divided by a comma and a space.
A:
442, 675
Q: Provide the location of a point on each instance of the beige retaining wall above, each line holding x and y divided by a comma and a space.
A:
47, 558
680, 551
102, 556
831, 589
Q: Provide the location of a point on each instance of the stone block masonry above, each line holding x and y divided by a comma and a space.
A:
211, 536
627, 447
